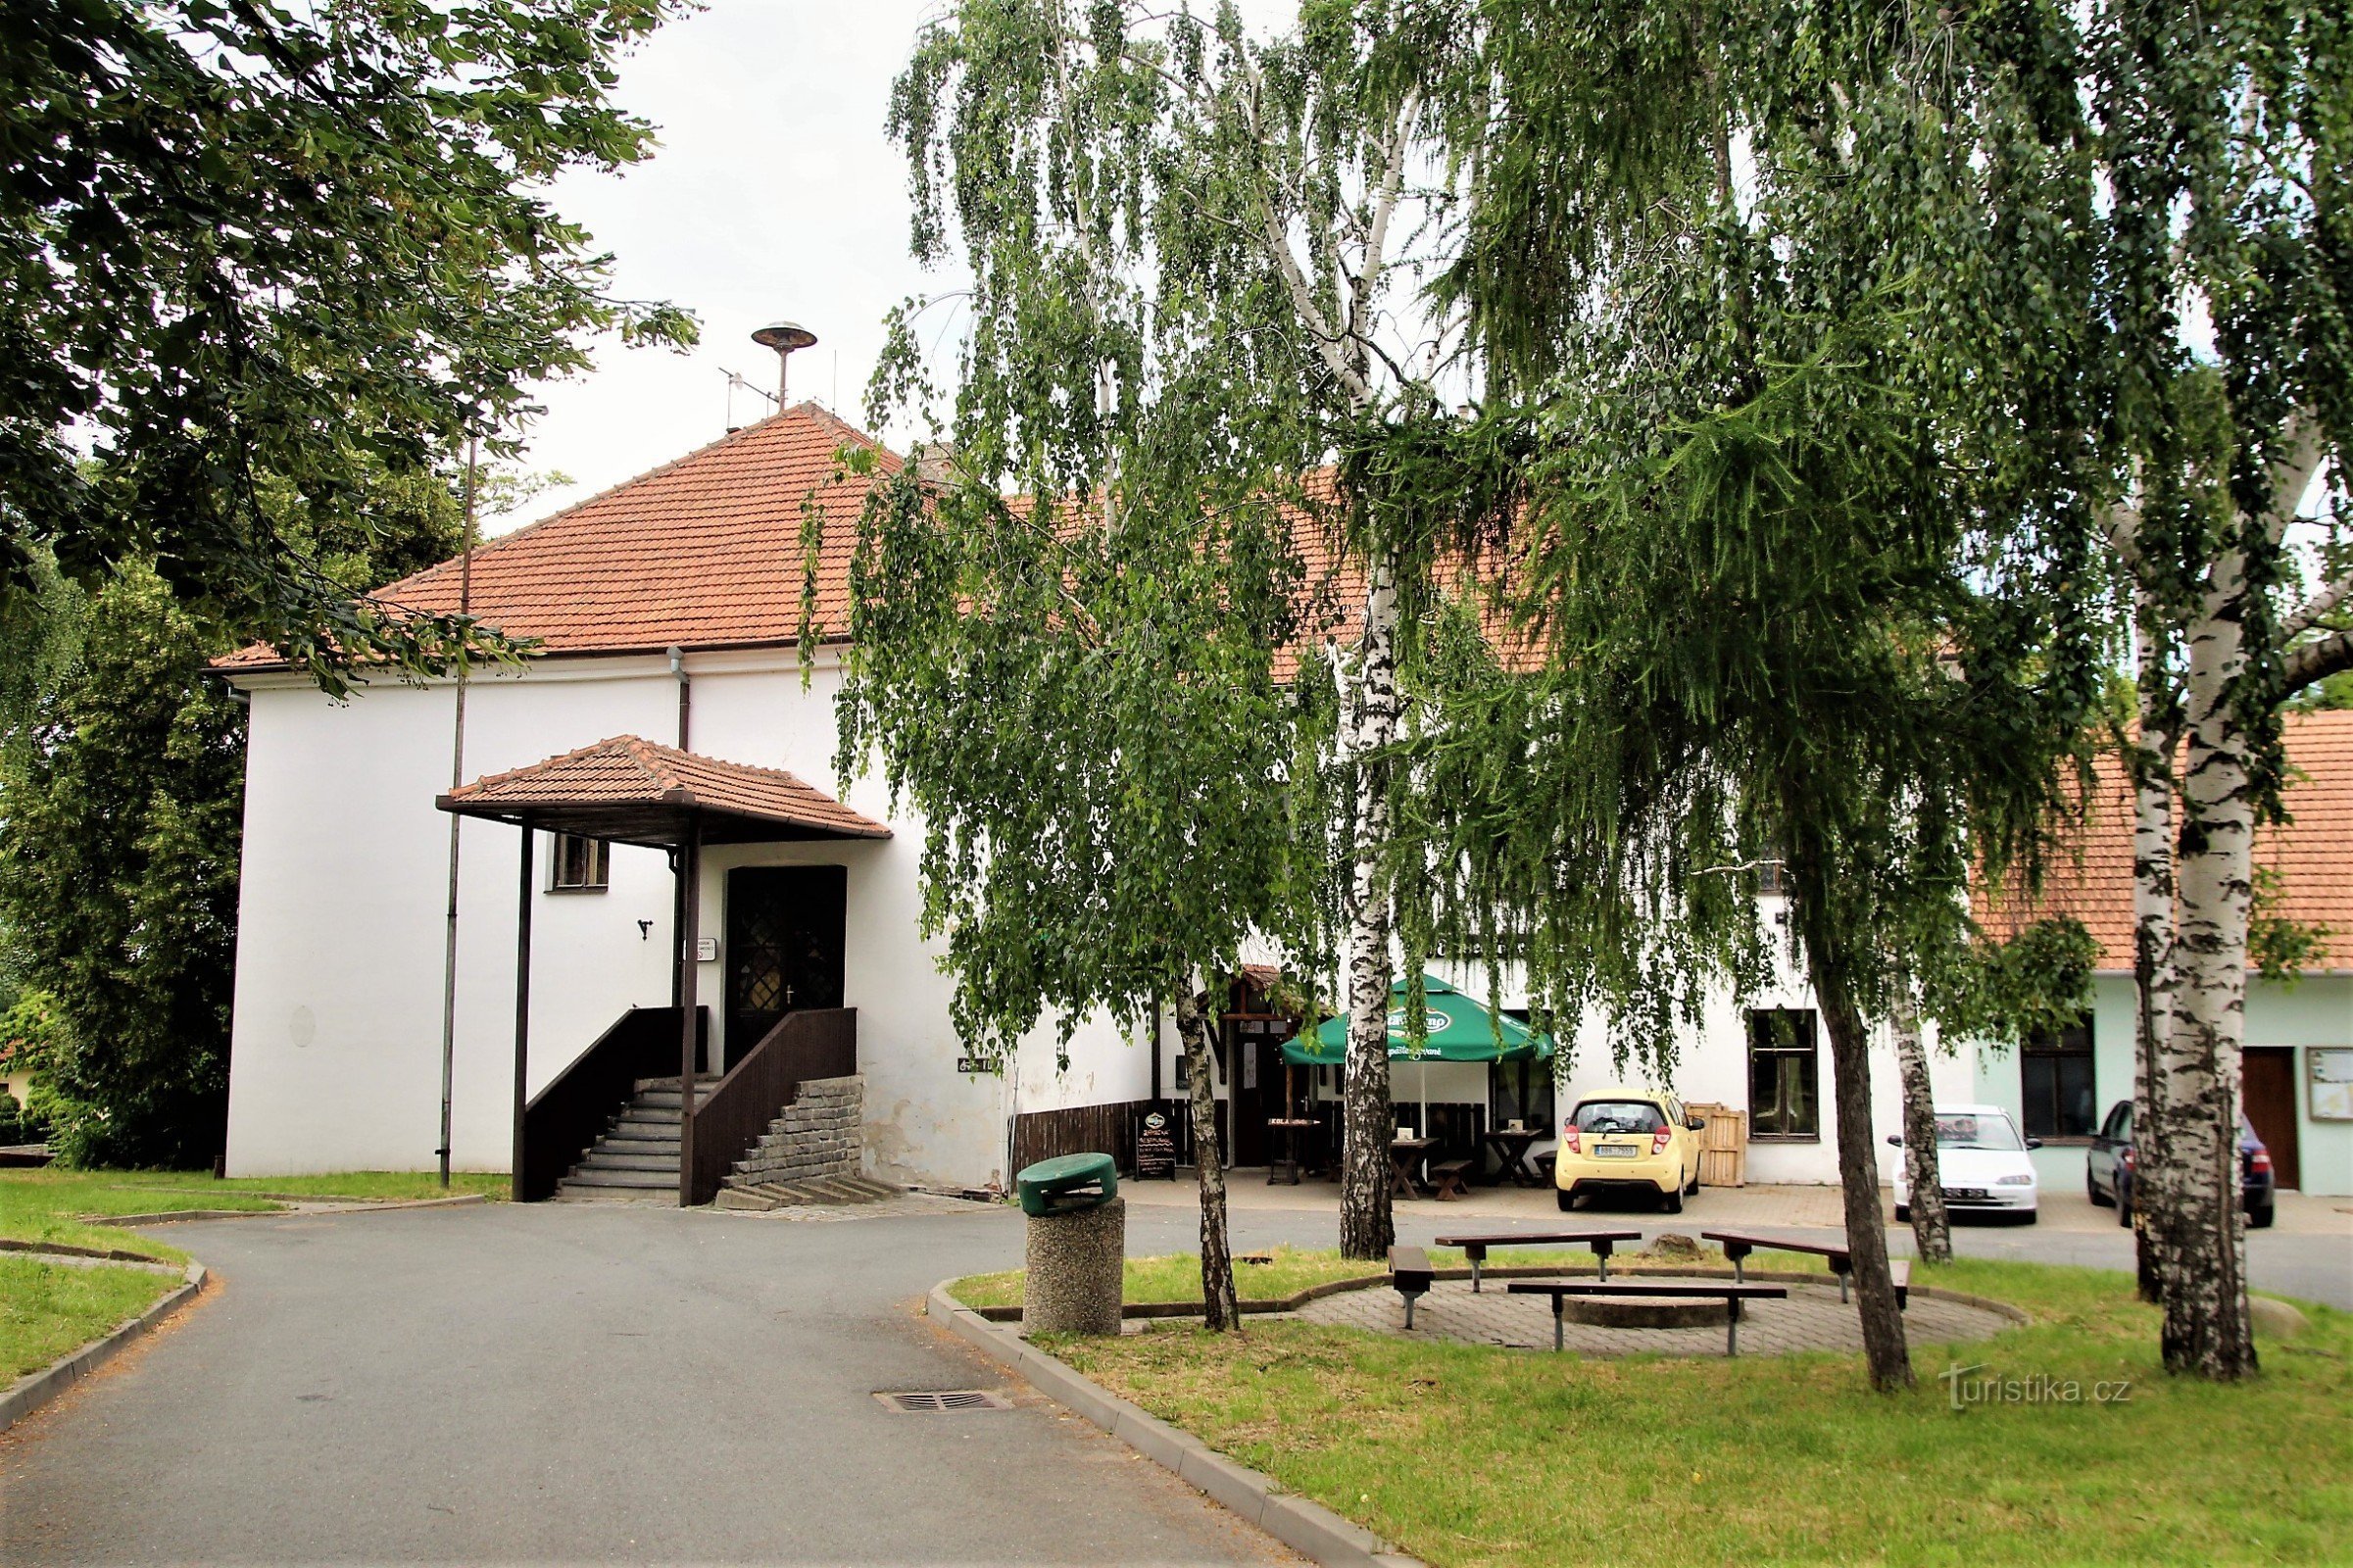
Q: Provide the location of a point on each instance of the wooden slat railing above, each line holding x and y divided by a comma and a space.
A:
817, 1042
564, 1119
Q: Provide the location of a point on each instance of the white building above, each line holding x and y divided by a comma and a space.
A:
667, 612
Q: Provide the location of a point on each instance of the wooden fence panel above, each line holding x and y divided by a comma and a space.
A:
1079, 1130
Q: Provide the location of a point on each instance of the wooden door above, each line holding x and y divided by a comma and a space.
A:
2271, 1096
784, 946
1248, 1091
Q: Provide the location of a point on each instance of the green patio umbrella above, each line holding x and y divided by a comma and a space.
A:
1460, 1030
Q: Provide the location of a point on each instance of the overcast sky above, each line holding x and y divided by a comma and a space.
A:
774, 194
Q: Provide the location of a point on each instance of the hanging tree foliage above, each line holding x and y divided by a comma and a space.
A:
1806, 581
248, 246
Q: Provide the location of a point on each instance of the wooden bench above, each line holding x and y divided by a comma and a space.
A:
1446, 1180
1410, 1274
1473, 1247
1732, 1294
1737, 1245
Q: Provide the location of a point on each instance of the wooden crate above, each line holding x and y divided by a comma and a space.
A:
1723, 1145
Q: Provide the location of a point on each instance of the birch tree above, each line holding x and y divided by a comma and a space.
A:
2226, 136
1192, 248
1802, 581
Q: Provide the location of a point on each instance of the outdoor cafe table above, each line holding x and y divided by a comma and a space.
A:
1405, 1153
1288, 1129
1512, 1153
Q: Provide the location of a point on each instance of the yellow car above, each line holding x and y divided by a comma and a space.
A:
1634, 1139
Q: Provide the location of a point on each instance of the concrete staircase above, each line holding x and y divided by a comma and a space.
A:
636, 1160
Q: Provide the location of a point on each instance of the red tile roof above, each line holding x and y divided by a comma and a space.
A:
703, 552
626, 787
2312, 853
706, 552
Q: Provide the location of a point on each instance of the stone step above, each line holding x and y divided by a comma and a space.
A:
614, 1144
817, 1192
605, 1159
648, 1117
568, 1192
650, 1180
646, 1085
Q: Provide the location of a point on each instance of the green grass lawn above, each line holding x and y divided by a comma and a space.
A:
50, 1309
49, 1205
1470, 1455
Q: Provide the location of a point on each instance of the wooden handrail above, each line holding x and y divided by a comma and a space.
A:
566, 1116
816, 1043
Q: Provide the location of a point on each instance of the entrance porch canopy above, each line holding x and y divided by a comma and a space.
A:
630, 791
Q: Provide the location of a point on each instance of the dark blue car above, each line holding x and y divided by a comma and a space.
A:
2108, 1168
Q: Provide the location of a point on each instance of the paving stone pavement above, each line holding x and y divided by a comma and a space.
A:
1811, 1319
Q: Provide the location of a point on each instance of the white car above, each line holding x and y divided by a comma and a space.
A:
1981, 1161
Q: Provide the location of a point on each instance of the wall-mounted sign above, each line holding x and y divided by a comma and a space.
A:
707, 949
2330, 1082
980, 1064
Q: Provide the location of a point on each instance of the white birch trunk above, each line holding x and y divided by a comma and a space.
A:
1932, 1231
1368, 1223
2202, 1239
1223, 1311
2150, 759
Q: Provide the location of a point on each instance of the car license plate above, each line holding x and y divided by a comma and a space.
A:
1965, 1194
1614, 1151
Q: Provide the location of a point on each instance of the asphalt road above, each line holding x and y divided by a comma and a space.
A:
610, 1384
580, 1385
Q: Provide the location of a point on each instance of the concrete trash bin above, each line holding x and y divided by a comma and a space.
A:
1077, 1245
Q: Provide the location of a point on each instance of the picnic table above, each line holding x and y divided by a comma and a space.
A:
1405, 1153
1511, 1155
1473, 1247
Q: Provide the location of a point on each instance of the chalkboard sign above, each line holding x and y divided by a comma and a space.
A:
1155, 1150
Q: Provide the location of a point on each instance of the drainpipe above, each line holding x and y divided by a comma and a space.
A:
449, 956
678, 877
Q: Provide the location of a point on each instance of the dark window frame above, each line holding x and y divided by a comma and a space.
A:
573, 870
1809, 1053
2043, 1060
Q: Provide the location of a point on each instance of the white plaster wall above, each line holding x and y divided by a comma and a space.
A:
2318, 1011
335, 1045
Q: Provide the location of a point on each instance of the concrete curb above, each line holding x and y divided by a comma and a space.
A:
108, 1254
36, 1389
1153, 1311
321, 1206
1307, 1527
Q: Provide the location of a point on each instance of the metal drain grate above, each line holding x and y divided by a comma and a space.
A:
946, 1402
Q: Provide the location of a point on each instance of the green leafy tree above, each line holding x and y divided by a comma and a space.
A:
121, 786
1192, 249
2219, 142
118, 874
1805, 578
256, 256
1084, 708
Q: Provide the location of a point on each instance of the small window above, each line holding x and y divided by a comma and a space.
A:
579, 865
1773, 878
2055, 1083
1784, 1075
